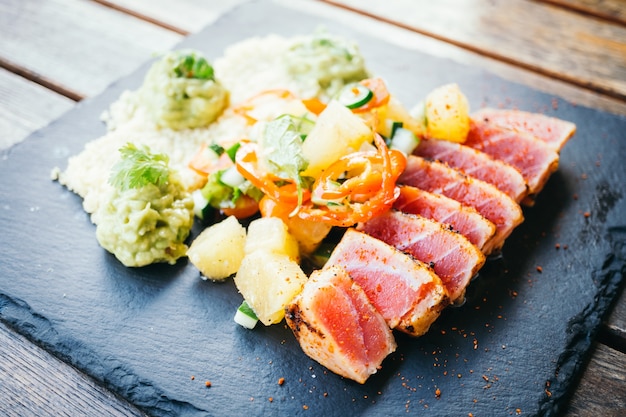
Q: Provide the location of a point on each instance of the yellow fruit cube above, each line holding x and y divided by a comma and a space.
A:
218, 251
270, 234
394, 111
268, 282
309, 234
337, 132
445, 112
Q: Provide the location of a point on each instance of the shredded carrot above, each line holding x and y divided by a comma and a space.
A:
360, 207
244, 109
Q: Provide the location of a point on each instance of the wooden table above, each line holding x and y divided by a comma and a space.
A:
55, 53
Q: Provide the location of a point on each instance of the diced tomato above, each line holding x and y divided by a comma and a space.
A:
245, 206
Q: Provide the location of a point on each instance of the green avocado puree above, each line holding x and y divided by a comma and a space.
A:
147, 214
180, 91
325, 62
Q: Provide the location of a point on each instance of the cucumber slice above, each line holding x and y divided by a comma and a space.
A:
232, 177
201, 207
355, 95
245, 316
404, 140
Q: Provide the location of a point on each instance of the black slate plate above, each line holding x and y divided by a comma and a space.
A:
514, 348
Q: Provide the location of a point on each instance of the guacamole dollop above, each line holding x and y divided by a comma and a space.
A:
325, 62
147, 214
180, 91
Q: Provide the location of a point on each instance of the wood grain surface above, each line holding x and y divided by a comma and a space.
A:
35, 383
25, 107
56, 52
186, 16
602, 387
82, 45
612, 10
537, 36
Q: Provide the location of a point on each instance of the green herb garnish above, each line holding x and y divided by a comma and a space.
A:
192, 65
232, 151
216, 148
139, 167
282, 151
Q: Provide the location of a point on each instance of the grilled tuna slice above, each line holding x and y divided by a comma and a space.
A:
337, 326
463, 219
406, 292
454, 259
476, 164
534, 159
490, 202
555, 132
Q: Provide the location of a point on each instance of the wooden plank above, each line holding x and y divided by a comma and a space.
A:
542, 38
26, 107
602, 389
82, 46
35, 383
186, 15
614, 331
611, 10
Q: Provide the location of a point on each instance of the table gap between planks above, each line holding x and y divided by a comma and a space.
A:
41, 78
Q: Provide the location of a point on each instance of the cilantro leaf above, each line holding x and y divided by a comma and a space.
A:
282, 150
191, 64
139, 167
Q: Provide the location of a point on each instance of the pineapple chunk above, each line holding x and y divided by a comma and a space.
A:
394, 111
337, 132
270, 234
218, 251
268, 282
445, 112
309, 234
